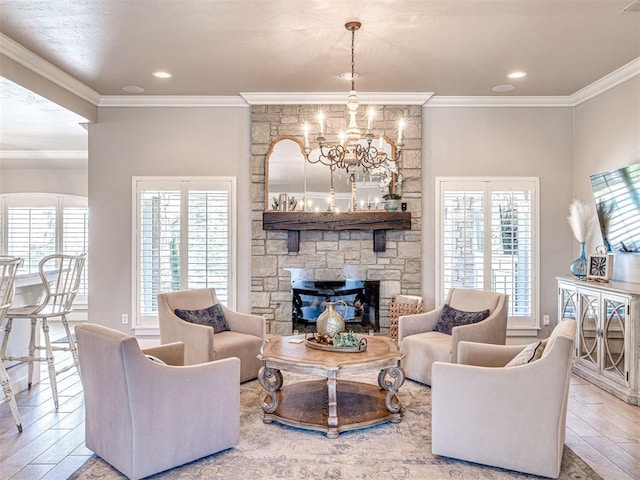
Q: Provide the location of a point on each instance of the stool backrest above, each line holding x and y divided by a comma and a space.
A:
8, 268
61, 276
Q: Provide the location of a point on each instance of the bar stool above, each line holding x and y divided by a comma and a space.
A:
61, 275
8, 268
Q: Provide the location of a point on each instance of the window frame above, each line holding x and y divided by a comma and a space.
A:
59, 201
518, 326
147, 325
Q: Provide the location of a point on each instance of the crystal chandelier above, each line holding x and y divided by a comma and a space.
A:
354, 149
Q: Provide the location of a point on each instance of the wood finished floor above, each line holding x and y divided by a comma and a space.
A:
601, 429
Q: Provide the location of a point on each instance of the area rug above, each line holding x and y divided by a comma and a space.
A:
387, 451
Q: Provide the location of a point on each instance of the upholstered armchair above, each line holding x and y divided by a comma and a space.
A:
422, 346
144, 417
202, 344
508, 417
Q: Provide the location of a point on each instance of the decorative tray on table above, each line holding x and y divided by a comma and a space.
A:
346, 342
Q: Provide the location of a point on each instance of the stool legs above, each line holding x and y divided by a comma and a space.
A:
72, 344
32, 350
8, 394
48, 348
50, 363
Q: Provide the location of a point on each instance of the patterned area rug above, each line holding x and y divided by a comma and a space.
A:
389, 451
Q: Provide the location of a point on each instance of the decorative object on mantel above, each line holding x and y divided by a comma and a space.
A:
354, 150
390, 182
580, 220
284, 203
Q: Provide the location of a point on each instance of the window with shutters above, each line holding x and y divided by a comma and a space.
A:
487, 240
33, 226
184, 239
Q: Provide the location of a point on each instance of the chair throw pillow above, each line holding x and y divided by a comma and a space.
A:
212, 316
451, 317
530, 353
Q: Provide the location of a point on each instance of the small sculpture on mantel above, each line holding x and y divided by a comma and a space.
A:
284, 203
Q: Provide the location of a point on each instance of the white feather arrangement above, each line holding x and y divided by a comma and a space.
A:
580, 220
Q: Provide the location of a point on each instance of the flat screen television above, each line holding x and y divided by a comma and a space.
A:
618, 192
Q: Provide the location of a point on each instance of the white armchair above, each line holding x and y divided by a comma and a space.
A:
202, 344
422, 346
143, 417
511, 417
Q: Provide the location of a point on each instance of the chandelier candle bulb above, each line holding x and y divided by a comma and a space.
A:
400, 127
370, 119
321, 121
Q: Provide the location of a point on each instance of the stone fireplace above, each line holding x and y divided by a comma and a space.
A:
333, 256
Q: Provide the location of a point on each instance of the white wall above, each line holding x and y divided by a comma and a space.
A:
70, 181
607, 136
157, 141
504, 141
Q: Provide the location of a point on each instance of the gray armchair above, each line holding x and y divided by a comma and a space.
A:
143, 417
422, 346
512, 417
202, 344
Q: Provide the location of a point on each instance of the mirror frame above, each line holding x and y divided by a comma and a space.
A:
266, 166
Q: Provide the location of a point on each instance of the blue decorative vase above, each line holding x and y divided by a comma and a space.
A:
579, 265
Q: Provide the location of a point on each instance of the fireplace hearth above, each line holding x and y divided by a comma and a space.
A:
362, 298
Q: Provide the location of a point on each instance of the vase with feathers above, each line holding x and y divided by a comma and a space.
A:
580, 220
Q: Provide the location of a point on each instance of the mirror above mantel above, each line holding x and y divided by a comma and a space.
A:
297, 196
290, 176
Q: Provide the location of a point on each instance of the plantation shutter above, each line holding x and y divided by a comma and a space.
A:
31, 235
184, 240
209, 238
486, 241
75, 237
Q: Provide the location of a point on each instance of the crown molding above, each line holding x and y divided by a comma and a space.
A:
171, 101
551, 101
335, 98
607, 82
38, 65
596, 88
44, 155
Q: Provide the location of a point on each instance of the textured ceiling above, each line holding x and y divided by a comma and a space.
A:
223, 47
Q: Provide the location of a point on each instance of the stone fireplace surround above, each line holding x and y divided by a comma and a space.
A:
327, 255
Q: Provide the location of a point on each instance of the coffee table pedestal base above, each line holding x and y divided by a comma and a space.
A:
359, 405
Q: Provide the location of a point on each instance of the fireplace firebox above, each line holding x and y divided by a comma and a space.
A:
361, 296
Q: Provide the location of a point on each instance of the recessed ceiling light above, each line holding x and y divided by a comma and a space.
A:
132, 89
347, 75
514, 75
161, 74
503, 88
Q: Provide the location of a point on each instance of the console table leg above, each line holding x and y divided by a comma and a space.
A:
271, 381
391, 379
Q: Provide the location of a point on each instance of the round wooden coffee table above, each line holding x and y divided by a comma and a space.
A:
333, 405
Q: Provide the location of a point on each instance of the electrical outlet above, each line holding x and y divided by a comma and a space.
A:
545, 320
125, 319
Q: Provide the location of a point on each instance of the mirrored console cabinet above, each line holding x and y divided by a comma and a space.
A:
607, 344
